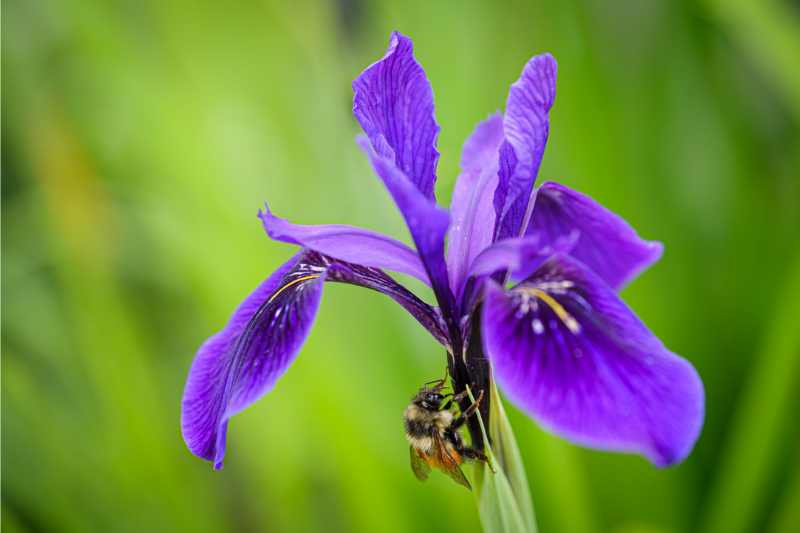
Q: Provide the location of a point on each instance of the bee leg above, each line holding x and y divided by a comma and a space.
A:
456, 398
468, 412
469, 453
473, 454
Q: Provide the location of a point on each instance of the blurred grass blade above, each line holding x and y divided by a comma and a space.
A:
787, 515
738, 494
503, 497
768, 31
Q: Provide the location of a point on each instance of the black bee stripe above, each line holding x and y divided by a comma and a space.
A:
417, 428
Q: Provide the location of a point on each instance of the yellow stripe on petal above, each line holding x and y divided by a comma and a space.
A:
291, 283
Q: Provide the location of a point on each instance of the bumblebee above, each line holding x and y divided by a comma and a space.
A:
432, 426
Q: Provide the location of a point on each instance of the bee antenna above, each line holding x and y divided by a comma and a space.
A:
439, 383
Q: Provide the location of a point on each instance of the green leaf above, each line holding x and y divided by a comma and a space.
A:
509, 459
501, 487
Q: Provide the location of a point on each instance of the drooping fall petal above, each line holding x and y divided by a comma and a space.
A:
235, 367
571, 354
242, 362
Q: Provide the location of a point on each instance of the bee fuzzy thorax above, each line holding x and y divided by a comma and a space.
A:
419, 420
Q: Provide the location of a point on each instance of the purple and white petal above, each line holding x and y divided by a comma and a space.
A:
472, 207
606, 243
348, 243
526, 127
571, 354
239, 364
426, 222
393, 102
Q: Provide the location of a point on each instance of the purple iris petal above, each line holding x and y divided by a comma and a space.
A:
348, 243
426, 222
569, 352
606, 243
526, 127
240, 363
472, 207
393, 102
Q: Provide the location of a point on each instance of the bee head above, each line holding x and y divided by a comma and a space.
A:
428, 399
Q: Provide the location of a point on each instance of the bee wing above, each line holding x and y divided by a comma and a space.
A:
419, 465
448, 464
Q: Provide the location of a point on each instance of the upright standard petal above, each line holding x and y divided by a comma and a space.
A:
472, 207
242, 362
393, 102
426, 222
348, 243
570, 353
526, 127
606, 243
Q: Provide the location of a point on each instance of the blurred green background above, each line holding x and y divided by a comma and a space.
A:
139, 138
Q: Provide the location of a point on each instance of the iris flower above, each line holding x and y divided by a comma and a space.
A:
526, 289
